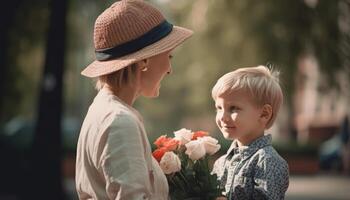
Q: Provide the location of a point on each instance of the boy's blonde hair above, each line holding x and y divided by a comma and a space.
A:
261, 82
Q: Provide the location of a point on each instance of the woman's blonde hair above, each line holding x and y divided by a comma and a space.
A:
261, 82
117, 79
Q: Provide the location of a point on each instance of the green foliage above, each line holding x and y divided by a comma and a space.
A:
25, 40
227, 34
194, 180
299, 150
231, 33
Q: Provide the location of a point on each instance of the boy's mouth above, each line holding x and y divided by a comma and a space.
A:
228, 127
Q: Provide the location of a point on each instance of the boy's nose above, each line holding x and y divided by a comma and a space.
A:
224, 117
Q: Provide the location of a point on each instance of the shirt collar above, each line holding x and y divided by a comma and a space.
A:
249, 150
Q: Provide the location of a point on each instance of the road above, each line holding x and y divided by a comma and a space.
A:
311, 187
319, 187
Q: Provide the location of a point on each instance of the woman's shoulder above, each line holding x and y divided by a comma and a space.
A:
106, 104
105, 114
124, 120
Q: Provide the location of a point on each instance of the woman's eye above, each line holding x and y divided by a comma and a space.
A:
217, 109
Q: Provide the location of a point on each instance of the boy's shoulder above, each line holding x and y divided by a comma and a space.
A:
262, 149
269, 156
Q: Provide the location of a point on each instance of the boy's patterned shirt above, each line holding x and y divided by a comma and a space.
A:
256, 171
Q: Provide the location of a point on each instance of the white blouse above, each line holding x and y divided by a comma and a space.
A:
114, 158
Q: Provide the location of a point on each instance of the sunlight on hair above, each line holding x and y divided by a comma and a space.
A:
116, 79
262, 82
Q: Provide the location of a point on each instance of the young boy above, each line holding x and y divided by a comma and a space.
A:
247, 101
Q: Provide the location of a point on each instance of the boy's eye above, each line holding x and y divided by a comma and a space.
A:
217, 108
234, 108
171, 56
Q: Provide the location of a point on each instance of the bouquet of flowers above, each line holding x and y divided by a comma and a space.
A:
184, 160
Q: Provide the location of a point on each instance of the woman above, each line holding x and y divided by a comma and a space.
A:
133, 45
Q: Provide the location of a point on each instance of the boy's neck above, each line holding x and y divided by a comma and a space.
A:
248, 139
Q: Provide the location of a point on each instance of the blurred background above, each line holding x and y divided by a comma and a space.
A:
45, 44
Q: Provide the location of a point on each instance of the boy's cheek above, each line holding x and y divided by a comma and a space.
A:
217, 120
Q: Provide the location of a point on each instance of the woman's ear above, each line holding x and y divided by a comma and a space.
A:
143, 65
266, 114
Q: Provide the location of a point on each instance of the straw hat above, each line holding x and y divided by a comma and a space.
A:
130, 31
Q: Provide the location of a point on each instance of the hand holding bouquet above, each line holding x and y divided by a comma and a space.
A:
185, 161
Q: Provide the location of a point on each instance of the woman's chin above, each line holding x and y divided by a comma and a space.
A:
153, 94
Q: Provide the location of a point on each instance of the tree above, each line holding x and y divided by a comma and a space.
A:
47, 146
233, 33
7, 16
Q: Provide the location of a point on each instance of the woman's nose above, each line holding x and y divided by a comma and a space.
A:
170, 70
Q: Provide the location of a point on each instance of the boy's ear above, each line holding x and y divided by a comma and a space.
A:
266, 113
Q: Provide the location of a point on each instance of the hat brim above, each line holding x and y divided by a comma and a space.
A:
177, 36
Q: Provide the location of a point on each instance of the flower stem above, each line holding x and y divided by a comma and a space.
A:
184, 178
179, 184
207, 166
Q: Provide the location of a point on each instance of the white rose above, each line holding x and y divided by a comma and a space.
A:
183, 135
210, 144
170, 163
195, 149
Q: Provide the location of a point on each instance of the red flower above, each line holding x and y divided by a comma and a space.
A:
169, 143
161, 140
159, 153
198, 134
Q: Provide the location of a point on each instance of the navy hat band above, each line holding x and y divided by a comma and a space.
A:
152, 36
